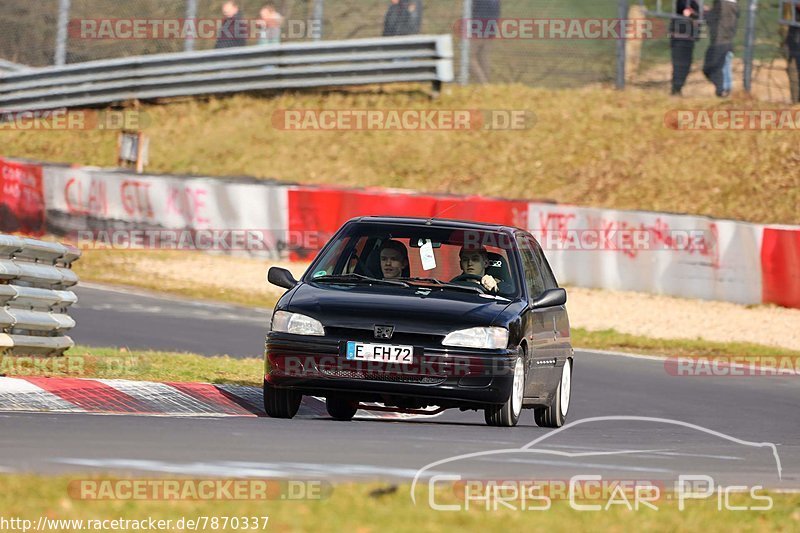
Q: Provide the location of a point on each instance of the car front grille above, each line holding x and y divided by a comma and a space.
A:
378, 376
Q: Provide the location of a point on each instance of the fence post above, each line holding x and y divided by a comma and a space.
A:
191, 14
319, 12
749, 44
622, 14
61, 32
466, 15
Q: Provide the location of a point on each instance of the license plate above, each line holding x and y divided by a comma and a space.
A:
361, 351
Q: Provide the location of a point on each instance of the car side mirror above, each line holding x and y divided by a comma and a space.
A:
281, 277
551, 298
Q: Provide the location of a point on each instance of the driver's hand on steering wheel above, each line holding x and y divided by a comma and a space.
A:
489, 283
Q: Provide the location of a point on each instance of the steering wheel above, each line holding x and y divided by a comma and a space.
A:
469, 278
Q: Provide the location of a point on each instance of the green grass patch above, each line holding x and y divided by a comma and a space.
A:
615, 341
144, 365
139, 365
593, 147
352, 507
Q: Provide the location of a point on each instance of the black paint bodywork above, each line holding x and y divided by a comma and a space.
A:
448, 376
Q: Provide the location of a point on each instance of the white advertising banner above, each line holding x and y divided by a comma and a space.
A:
678, 255
202, 213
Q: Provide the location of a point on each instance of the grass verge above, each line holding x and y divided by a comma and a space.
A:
138, 365
615, 341
352, 507
592, 146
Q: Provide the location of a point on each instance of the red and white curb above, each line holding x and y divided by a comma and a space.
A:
119, 396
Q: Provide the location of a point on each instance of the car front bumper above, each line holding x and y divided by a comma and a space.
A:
317, 366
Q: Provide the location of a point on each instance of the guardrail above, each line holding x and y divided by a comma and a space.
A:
8, 66
287, 66
34, 298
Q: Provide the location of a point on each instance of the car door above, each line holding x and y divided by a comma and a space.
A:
563, 340
539, 327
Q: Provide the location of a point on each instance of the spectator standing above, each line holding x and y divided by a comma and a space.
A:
684, 31
269, 25
233, 31
488, 12
723, 20
793, 51
404, 17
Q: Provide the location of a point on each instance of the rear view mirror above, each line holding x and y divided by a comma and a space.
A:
281, 277
551, 298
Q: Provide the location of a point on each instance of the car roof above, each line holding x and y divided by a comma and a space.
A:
436, 223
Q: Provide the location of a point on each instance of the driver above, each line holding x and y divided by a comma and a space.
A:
474, 261
394, 260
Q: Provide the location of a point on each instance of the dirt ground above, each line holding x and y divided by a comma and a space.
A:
770, 82
626, 312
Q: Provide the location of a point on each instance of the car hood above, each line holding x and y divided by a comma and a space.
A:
413, 309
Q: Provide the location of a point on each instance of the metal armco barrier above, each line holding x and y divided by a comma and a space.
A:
34, 298
287, 66
8, 66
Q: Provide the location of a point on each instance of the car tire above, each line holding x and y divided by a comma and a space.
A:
341, 408
555, 414
507, 415
281, 403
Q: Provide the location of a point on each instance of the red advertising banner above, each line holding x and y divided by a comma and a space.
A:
325, 210
780, 257
21, 198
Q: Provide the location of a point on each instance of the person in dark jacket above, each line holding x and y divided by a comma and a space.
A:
683, 31
404, 17
233, 32
485, 11
793, 52
723, 20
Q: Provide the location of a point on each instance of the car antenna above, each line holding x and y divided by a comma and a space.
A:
430, 220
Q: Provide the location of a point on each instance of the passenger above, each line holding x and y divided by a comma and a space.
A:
474, 261
394, 260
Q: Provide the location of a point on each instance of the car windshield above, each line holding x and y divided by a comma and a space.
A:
419, 255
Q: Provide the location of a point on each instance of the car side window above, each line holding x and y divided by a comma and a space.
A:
547, 273
533, 276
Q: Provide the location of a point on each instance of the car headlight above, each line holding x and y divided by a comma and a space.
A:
296, 323
488, 338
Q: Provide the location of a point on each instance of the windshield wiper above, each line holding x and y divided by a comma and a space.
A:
358, 278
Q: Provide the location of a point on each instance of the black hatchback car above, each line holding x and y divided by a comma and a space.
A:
420, 314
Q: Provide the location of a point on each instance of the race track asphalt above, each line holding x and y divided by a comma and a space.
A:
724, 427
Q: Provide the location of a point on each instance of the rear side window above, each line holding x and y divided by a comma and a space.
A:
547, 273
533, 276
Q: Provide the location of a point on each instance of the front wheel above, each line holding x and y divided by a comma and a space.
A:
555, 414
507, 414
341, 408
281, 403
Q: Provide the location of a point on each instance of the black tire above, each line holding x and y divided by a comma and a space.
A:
281, 403
507, 415
341, 408
555, 414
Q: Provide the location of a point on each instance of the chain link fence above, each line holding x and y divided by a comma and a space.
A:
545, 55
